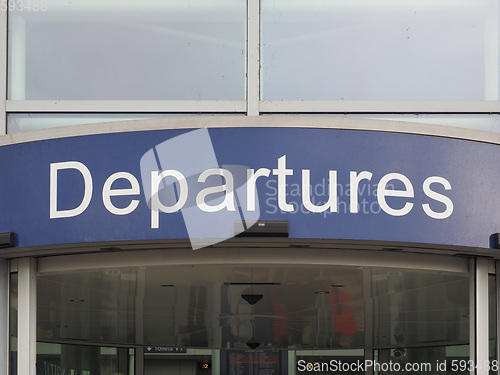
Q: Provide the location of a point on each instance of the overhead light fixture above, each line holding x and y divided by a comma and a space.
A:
252, 299
167, 285
322, 292
77, 300
337, 285
253, 344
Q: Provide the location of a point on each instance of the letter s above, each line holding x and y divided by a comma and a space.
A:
438, 197
301, 365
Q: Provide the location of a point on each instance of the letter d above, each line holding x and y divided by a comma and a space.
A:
87, 178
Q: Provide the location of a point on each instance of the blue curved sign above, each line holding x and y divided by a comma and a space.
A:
327, 183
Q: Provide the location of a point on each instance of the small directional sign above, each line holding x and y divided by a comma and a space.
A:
164, 350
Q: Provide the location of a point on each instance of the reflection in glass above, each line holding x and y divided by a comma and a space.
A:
445, 360
412, 309
380, 50
306, 307
124, 49
55, 358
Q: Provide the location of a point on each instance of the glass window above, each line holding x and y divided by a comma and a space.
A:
414, 309
443, 360
333, 307
380, 50
484, 122
22, 122
124, 49
53, 358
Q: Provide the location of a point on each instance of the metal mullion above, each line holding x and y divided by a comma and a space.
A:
497, 317
26, 325
479, 340
253, 57
4, 316
369, 313
3, 73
